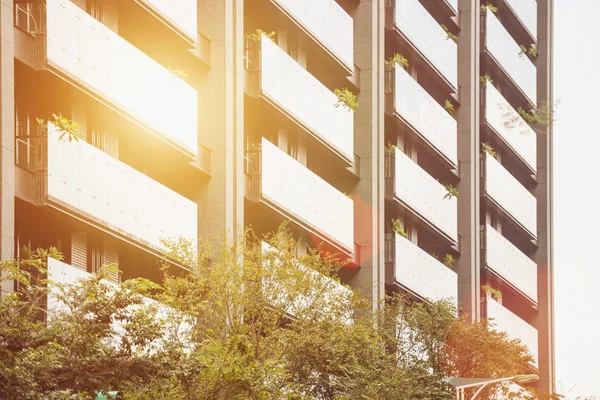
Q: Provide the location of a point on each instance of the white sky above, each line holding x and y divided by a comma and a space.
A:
577, 195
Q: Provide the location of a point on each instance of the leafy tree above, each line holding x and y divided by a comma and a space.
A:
250, 320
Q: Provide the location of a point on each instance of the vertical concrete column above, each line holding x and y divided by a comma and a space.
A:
7, 151
369, 37
544, 196
467, 115
221, 118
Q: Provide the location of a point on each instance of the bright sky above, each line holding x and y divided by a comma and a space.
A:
577, 195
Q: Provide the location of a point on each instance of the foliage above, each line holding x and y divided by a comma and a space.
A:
398, 227
346, 98
397, 59
449, 35
247, 321
449, 106
256, 36
486, 148
485, 79
451, 192
390, 148
65, 127
529, 52
538, 118
495, 293
490, 7
449, 261
181, 74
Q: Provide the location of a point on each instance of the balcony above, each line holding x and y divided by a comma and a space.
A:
453, 5
425, 115
95, 58
277, 281
305, 100
87, 181
415, 23
512, 197
181, 15
505, 321
505, 51
327, 23
422, 194
510, 127
526, 12
289, 187
420, 273
510, 263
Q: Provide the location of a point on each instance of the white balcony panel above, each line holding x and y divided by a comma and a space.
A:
423, 274
511, 263
293, 89
328, 23
99, 59
506, 321
453, 4
295, 189
427, 35
513, 197
182, 14
426, 115
526, 10
89, 180
507, 122
417, 189
506, 51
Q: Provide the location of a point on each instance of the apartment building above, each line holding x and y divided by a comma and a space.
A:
199, 117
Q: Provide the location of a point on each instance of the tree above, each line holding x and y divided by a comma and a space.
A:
249, 320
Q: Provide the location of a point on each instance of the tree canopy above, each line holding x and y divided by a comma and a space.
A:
251, 319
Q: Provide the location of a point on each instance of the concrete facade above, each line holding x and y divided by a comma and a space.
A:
410, 157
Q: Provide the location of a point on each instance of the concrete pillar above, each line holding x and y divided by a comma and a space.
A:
544, 196
369, 37
221, 118
467, 115
7, 150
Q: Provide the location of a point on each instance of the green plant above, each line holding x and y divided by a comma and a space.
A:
257, 35
432, 254
449, 106
449, 35
490, 7
397, 59
181, 74
451, 192
538, 118
529, 52
489, 150
65, 126
449, 261
390, 148
398, 228
495, 293
348, 195
485, 78
346, 98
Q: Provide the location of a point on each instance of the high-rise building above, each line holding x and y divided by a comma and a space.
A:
199, 117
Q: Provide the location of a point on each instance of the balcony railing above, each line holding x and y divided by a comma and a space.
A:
318, 287
289, 186
509, 125
428, 37
181, 14
306, 100
328, 23
510, 195
526, 11
422, 274
502, 47
510, 263
506, 321
421, 193
425, 115
93, 56
87, 180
